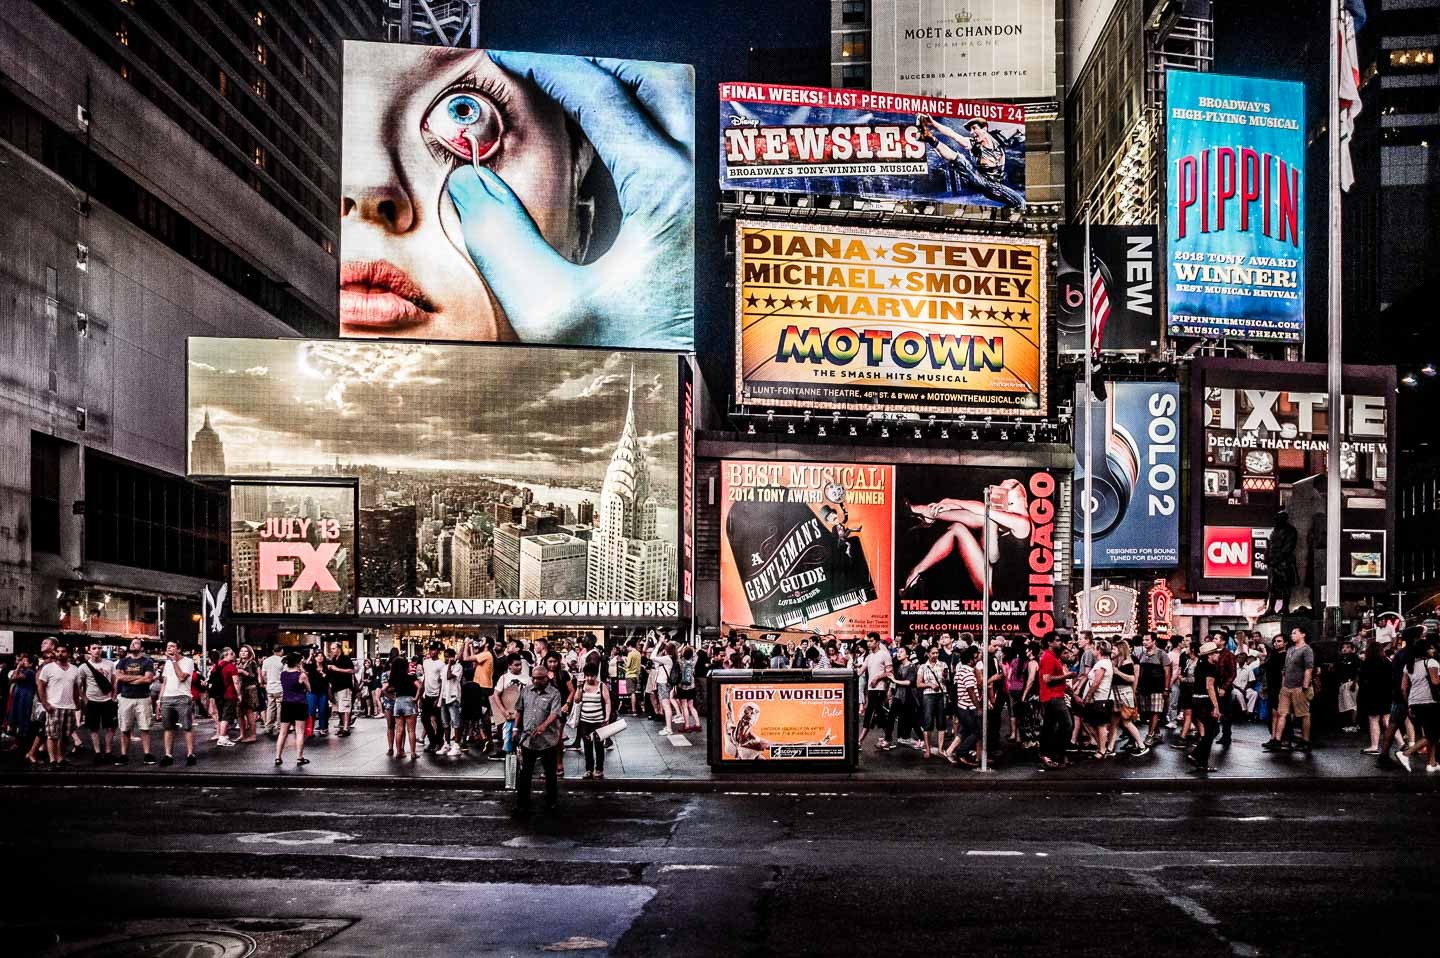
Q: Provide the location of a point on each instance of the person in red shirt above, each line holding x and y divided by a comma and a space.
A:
228, 684
1054, 681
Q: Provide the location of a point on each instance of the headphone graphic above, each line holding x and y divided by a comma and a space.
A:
1114, 469
1071, 286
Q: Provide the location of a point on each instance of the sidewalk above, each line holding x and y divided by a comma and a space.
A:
645, 759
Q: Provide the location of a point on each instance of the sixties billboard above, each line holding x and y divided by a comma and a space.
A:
495, 482
1134, 468
499, 196
972, 49
292, 548
806, 546
1122, 277
941, 554
1235, 244
795, 139
1259, 441
867, 319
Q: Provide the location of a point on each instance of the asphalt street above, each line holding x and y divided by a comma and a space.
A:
319, 871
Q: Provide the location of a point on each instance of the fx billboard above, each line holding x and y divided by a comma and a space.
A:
1134, 468
1235, 246
878, 320
1122, 277
973, 49
794, 139
292, 548
495, 482
1259, 441
499, 196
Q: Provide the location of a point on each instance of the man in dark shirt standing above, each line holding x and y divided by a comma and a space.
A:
340, 671
1225, 668
133, 675
538, 718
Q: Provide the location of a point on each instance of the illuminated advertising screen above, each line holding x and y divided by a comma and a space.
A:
834, 317
1134, 468
805, 546
974, 49
292, 548
1259, 435
941, 553
499, 196
1236, 186
796, 139
1123, 281
783, 721
495, 482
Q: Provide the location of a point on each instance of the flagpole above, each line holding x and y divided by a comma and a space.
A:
1334, 358
1086, 507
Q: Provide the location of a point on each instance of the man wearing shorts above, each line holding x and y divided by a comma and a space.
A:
177, 707
133, 675
227, 684
98, 681
56, 685
340, 670
1151, 688
1295, 691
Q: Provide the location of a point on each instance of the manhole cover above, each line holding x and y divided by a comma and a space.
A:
178, 944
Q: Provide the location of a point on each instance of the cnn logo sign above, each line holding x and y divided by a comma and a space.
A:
1229, 552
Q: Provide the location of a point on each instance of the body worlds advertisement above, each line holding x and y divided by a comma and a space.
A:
495, 482
1123, 262
806, 546
879, 320
1134, 469
783, 721
1235, 251
973, 49
941, 552
791, 139
498, 196
1259, 441
292, 548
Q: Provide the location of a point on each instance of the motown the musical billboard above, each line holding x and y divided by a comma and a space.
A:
831, 317
799, 139
1236, 188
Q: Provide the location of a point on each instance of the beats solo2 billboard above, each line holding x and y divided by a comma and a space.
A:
1134, 468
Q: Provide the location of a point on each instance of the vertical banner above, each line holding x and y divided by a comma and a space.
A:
1122, 270
806, 546
1236, 188
979, 49
1134, 470
940, 554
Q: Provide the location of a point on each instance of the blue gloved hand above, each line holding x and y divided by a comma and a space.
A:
641, 292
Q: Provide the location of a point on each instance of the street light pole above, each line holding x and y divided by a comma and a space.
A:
1087, 506
1334, 365
985, 646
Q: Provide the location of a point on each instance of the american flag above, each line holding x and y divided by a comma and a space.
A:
1099, 305
1352, 17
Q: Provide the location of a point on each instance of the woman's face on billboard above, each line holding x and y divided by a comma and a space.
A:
411, 116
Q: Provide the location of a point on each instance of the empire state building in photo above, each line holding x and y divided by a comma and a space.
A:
628, 560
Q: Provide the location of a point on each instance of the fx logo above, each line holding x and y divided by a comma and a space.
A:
279, 559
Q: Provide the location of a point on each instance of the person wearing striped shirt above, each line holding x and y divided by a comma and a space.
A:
967, 709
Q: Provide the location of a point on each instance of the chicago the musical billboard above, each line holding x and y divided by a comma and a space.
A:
1236, 186
795, 139
1259, 444
806, 546
495, 482
973, 49
495, 196
833, 317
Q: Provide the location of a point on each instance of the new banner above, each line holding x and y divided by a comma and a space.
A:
1259, 440
1122, 279
879, 320
1134, 468
292, 548
941, 550
981, 49
1236, 187
805, 545
793, 139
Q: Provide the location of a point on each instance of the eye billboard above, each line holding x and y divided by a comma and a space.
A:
292, 548
833, 317
978, 49
796, 139
1235, 241
1134, 469
496, 483
1259, 441
495, 196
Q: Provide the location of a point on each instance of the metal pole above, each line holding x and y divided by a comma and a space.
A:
1087, 507
1334, 362
985, 649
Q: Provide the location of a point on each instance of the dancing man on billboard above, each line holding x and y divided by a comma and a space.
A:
976, 162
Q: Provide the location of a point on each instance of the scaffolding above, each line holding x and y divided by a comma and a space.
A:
448, 23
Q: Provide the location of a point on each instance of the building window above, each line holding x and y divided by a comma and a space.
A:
152, 520
856, 46
852, 11
853, 77
259, 18
45, 454
1412, 59
260, 157
260, 54
261, 88
123, 35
